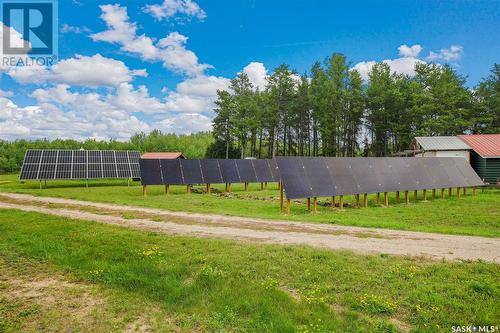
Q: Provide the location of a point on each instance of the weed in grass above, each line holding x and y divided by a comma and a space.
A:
376, 304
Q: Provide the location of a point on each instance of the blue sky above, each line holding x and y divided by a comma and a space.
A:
139, 65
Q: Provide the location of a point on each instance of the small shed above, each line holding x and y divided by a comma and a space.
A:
485, 156
440, 146
163, 156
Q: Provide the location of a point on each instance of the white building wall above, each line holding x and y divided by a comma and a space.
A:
446, 153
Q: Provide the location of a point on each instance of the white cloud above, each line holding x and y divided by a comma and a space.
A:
409, 58
170, 50
257, 73
410, 51
61, 113
185, 123
451, 54
196, 95
4, 93
170, 8
95, 71
66, 28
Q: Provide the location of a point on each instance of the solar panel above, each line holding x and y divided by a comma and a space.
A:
274, 170
171, 171
191, 170
79, 171
470, 176
262, 171
63, 171
229, 171
343, 176
318, 175
29, 171
95, 171
305, 177
80, 164
33, 156
294, 178
47, 171
151, 172
211, 171
246, 171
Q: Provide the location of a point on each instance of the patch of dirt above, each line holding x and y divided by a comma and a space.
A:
361, 240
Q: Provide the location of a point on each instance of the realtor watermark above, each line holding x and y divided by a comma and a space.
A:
474, 328
30, 34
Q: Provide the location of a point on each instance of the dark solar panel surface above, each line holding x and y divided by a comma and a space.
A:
229, 171
274, 170
305, 177
317, 172
172, 172
191, 170
294, 178
150, 172
262, 171
246, 171
211, 171
467, 172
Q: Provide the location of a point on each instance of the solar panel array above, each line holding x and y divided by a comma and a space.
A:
208, 171
80, 164
307, 177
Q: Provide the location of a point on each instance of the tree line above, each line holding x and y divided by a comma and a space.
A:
332, 111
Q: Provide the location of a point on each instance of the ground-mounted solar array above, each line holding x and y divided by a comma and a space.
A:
308, 177
79, 164
208, 171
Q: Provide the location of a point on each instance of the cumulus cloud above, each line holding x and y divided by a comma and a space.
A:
95, 71
196, 95
171, 50
257, 73
410, 51
171, 8
400, 65
409, 57
451, 54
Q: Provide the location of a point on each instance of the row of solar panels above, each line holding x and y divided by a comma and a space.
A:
209, 171
79, 164
307, 177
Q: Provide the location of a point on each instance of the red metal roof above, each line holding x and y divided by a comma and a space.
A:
486, 145
163, 156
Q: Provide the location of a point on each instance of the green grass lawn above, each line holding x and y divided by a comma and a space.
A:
479, 215
217, 285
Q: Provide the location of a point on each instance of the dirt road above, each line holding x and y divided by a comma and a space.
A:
360, 240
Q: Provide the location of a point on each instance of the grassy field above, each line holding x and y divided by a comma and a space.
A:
57, 274
479, 215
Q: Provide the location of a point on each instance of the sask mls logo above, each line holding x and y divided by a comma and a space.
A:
30, 27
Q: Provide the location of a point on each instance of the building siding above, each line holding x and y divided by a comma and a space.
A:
487, 168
